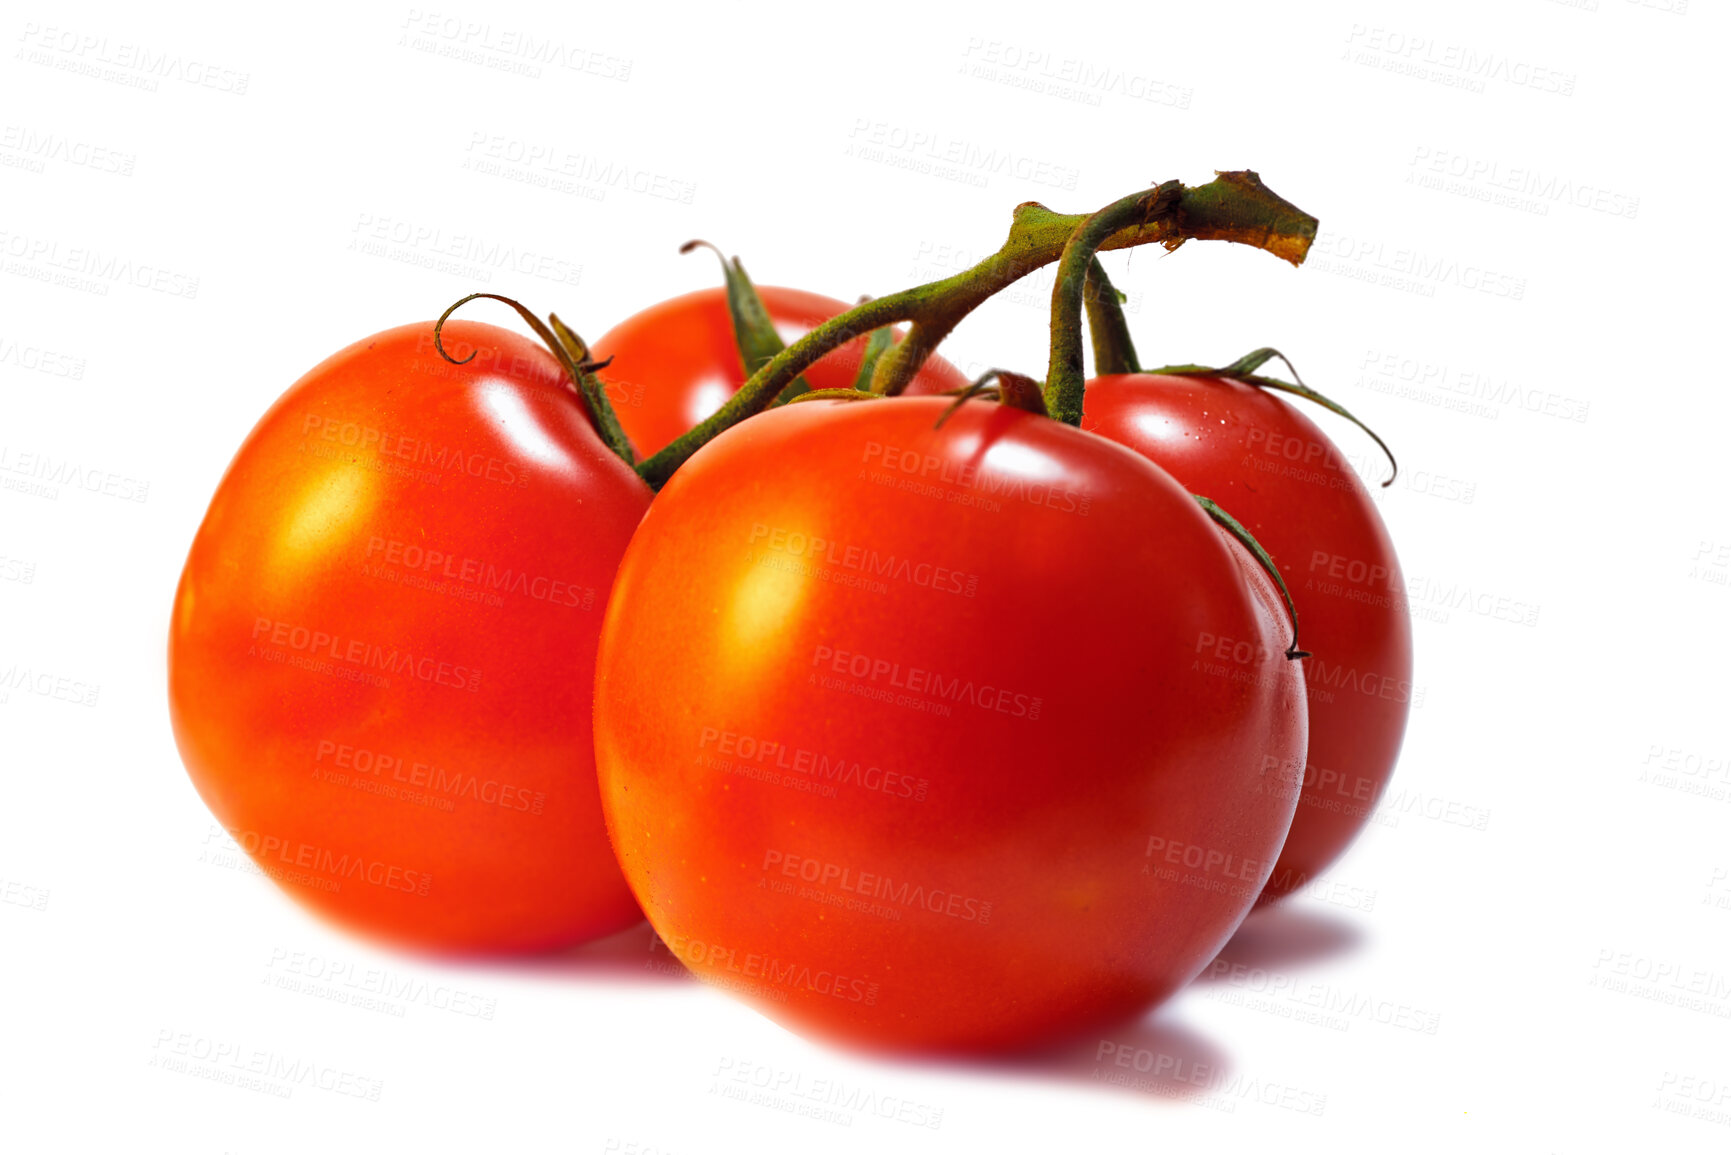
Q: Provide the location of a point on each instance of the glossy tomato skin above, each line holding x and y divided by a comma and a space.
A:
675, 363
1270, 467
903, 733
382, 645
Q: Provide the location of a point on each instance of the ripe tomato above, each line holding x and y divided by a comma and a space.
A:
902, 732
676, 363
1288, 484
382, 647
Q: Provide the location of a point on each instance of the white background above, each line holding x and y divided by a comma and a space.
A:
1518, 285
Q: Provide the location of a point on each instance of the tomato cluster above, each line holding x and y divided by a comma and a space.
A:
919, 722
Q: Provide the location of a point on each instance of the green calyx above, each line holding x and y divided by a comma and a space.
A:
753, 331
1244, 369
1231, 525
573, 355
1012, 389
835, 395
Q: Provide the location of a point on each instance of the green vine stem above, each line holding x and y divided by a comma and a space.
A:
1235, 206
1064, 375
1109, 333
1244, 369
1240, 207
878, 343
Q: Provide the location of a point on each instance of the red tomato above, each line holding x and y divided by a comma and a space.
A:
676, 363
1284, 480
902, 732
382, 648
